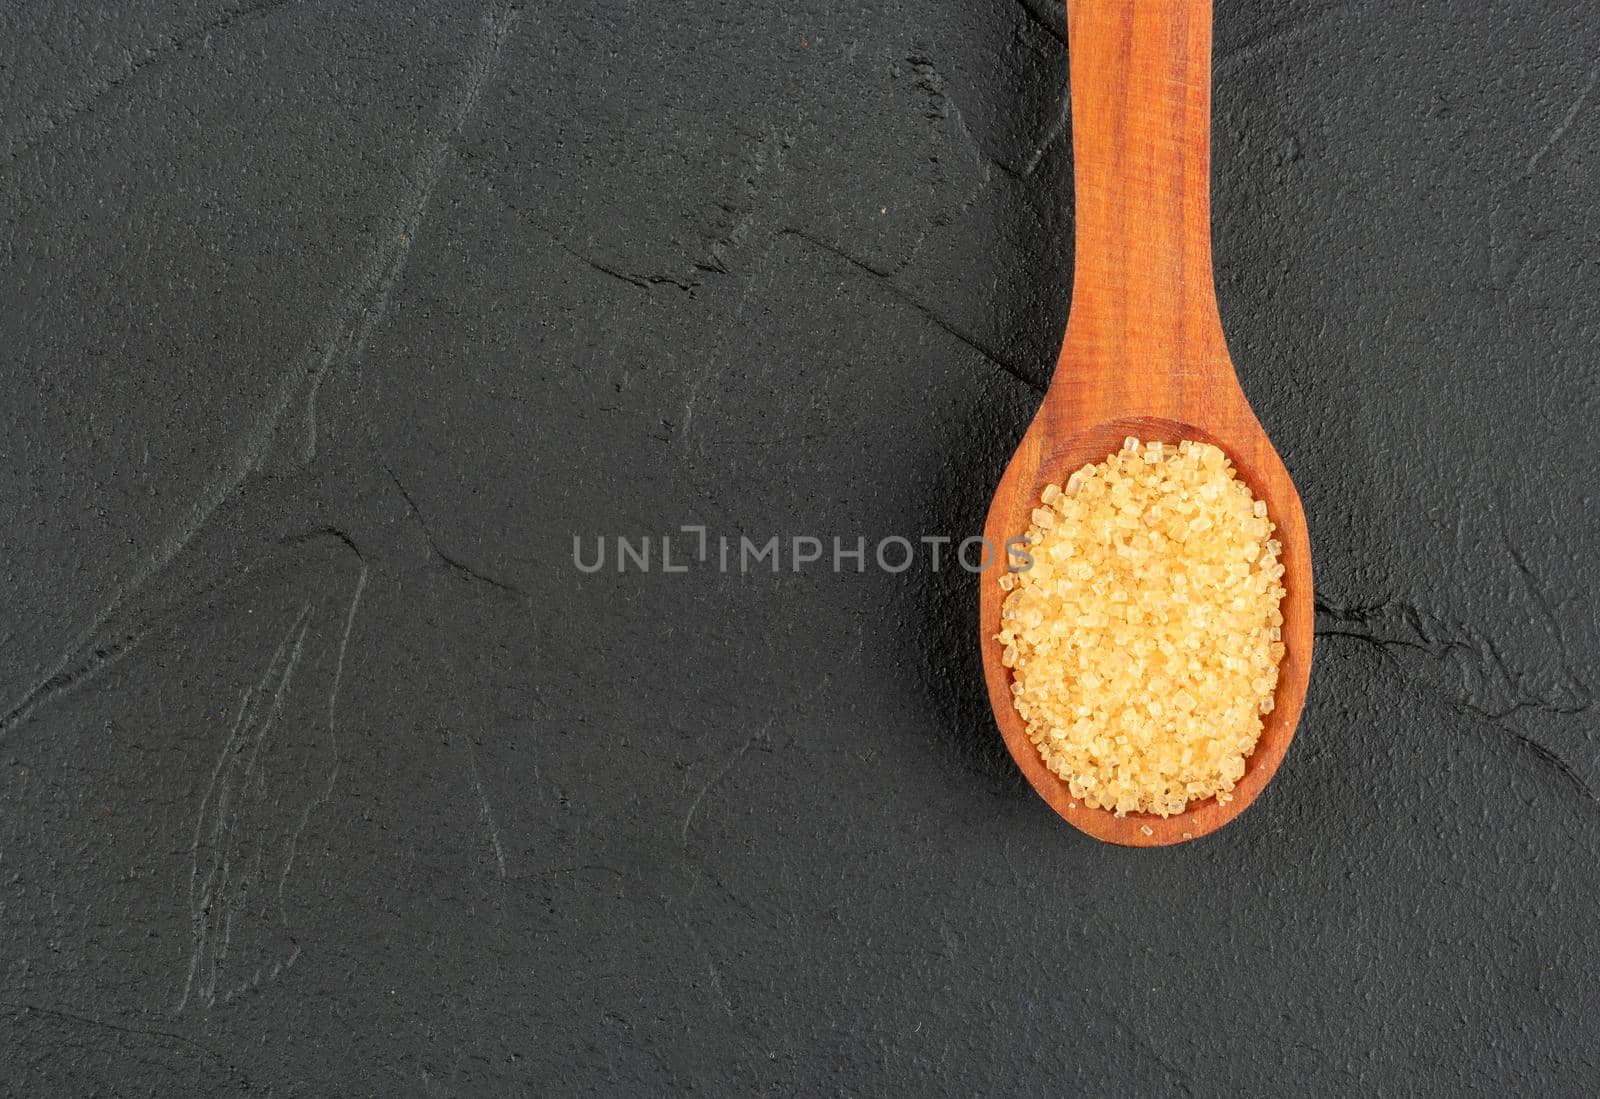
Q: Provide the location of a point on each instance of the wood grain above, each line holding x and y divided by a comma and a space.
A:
1144, 353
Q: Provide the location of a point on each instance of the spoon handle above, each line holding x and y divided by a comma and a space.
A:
1141, 137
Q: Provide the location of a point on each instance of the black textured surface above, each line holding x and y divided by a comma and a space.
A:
324, 327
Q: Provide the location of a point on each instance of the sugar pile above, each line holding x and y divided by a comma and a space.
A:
1145, 638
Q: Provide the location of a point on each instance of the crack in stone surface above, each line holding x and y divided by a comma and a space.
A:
362, 306
448, 559
35, 132
1485, 690
887, 281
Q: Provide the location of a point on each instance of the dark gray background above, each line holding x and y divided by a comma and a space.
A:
325, 326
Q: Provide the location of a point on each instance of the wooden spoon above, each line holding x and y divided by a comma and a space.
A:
1144, 354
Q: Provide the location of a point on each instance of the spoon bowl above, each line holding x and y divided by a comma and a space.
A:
1048, 457
1144, 355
